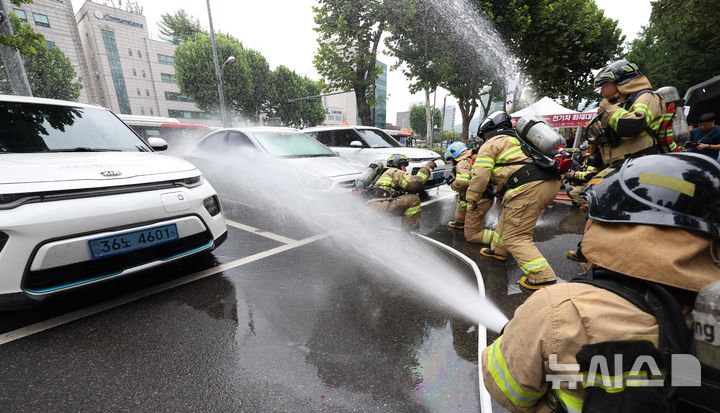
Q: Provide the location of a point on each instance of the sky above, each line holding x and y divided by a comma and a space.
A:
282, 30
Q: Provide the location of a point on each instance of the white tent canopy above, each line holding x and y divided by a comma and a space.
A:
543, 107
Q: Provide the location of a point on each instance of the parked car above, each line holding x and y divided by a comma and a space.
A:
366, 144
83, 199
268, 159
178, 135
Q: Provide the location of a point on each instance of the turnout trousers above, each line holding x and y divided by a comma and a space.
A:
514, 231
406, 206
475, 231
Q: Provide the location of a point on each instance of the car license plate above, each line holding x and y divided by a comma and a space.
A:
132, 241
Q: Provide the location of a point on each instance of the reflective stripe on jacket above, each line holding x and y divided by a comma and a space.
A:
557, 320
463, 172
397, 179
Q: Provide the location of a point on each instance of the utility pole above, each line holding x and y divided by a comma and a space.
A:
221, 92
11, 58
442, 123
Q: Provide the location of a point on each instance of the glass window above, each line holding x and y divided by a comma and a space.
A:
143, 73
214, 142
167, 77
238, 140
21, 14
377, 139
139, 53
147, 92
177, 97
116, 71
151, 111
324, 137
134, 72
138, 90
292, 145
130, 52
50, 44
142, 110
166, 60
41, 20
343, 138
34, 127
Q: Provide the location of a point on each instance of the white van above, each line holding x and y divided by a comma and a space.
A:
84, 200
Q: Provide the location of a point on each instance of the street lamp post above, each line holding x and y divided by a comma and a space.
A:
223, 109
221, 94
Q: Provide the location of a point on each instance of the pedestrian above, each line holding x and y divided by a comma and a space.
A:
629, 116
705, 139
526, 190
471, 222
634, 301
396, 190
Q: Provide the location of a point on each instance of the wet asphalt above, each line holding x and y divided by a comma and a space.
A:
295, 329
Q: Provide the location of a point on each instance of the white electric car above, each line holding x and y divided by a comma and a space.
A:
83, 199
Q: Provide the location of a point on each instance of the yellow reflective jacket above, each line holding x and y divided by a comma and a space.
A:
489, 166
543, 338
631, 124
394, 179
463, 173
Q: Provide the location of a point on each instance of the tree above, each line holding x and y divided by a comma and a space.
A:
24, 42
291, 102
49, 71
245, 82
178, 27
679, 46
349, 37
418, 120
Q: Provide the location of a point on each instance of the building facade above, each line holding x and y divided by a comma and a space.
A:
380, 109
132, 74
55, 20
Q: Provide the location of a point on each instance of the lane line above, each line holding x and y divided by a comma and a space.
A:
432, 201
261, 232
147, 292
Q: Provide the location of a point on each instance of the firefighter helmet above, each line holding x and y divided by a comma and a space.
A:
493, 124
679, 190
397, 160
619, 72
454, 150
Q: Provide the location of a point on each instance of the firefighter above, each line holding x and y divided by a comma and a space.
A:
578, 178
629, 116
396, 190
527, 189
471, 222
673, 198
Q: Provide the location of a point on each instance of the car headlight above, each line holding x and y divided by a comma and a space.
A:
192, 182
3, 240
212, 205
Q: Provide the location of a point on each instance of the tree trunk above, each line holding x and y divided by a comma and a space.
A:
467, 111
364, 111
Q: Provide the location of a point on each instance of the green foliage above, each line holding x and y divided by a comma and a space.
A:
178, 27
286, 101
449, 134
418, 119
349, 33
24, 38
679, 47
246, 82
49, 71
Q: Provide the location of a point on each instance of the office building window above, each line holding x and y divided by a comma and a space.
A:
130, 52
49, 44
144, 74
166, 60
116, 71
134, 72
41, 20
177, 97
139, 53
188, 114
167, 77
138, 90
142, 111
147, 92
21, 14
151, 111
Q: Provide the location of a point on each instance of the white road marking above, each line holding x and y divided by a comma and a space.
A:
156, 289
263, 233
432, 201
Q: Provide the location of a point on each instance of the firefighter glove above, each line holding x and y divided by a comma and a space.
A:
431, 165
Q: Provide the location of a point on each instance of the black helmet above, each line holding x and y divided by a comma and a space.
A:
493, 124
680, 190
619, 72
397, 160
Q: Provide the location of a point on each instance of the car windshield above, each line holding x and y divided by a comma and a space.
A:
378, 139
32, 128
291, 145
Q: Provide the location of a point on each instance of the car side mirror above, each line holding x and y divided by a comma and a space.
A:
158, 144
356, 144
